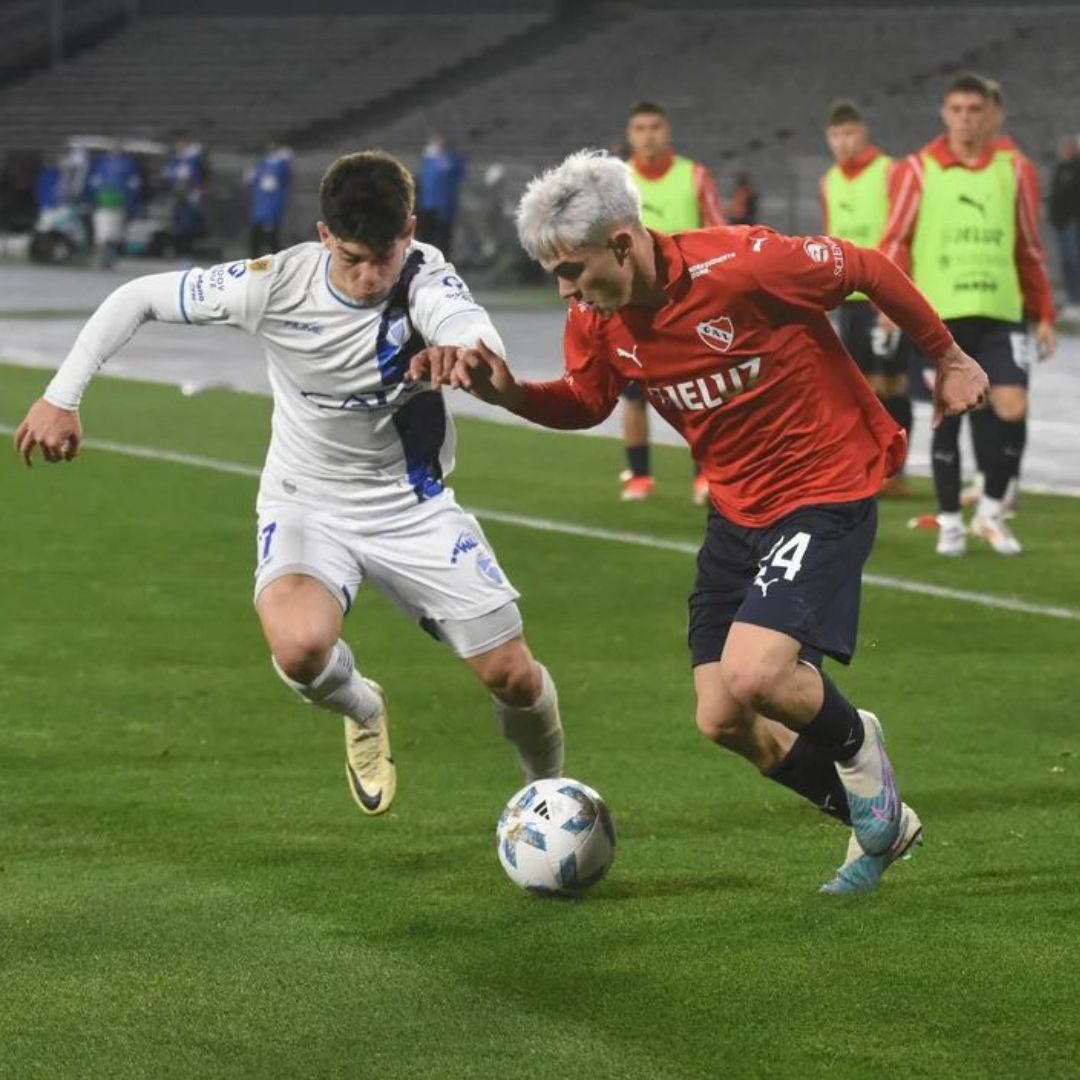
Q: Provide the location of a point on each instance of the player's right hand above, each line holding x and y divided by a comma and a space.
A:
435, 364
57, 432
960, 385
485, 374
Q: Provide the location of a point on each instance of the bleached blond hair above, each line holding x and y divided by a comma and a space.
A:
576, 203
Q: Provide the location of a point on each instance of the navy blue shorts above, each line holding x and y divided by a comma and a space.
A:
802, 576
1004, 350
856, 320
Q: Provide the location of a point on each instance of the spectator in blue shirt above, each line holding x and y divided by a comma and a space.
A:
269, 185
116, 187
186, 175
442, 170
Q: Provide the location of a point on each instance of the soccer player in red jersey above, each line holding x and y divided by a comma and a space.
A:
726, 328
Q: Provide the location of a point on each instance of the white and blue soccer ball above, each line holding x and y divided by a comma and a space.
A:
556, 837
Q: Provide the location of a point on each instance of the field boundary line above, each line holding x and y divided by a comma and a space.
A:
567, 528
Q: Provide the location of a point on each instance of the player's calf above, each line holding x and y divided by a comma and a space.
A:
526, 706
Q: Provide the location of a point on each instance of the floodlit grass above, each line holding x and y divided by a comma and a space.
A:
188, 891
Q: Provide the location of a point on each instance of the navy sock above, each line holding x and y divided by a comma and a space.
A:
984, 437
812, 774
1005, 464
637, 457
945, 462
837, 730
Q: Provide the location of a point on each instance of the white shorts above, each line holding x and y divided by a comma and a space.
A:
437, 568
109, 226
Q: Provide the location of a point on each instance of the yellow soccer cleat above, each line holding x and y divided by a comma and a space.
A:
369, 767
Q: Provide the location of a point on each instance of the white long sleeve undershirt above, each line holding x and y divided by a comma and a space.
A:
155, 297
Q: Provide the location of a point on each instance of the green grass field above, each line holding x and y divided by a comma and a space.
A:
188, 891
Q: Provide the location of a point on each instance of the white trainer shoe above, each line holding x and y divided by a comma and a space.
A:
369, 768
951, 539
996, 533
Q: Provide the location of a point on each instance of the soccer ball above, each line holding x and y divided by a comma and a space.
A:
556, 837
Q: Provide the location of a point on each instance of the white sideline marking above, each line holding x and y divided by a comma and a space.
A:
920, 588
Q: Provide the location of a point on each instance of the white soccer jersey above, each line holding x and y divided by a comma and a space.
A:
349, 434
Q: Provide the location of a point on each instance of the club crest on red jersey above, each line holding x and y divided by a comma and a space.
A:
816, 250
718, 333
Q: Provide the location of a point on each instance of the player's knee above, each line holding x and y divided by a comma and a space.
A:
751, 684
1011, 409
301, 654
722, 724
511, 674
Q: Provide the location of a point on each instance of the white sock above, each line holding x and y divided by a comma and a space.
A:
338, 688
951, 520
989, 508
535, 730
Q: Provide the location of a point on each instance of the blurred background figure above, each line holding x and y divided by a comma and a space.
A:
47, 186
855, 206
442, 170
743, 204
676, 194
116, 189
186, 176
1065, 218
269, 185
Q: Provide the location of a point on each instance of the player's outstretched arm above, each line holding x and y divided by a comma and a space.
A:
480, 370
56, 432
52, 425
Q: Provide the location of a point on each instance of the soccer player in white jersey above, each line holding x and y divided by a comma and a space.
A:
353, 488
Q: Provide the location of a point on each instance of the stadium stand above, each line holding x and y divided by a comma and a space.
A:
236, 81
32, 35
728, 81
746, 88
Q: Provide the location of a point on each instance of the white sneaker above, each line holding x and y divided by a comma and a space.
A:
996, 533
951, 539
974, 490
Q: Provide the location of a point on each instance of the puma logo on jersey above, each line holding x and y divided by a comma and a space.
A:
757, 243
967, 200
632, 355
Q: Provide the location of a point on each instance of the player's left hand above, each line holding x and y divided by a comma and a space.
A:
1045, 339
960, 384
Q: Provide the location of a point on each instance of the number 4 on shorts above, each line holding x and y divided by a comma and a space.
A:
787, 555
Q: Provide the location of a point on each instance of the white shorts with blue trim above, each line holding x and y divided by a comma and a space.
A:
438, 568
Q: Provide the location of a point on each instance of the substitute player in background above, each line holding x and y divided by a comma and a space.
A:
676, 194
354, 486
964, 218
727, 330
854, 206
984, 427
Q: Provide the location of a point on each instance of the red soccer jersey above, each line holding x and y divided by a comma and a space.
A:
744, 364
